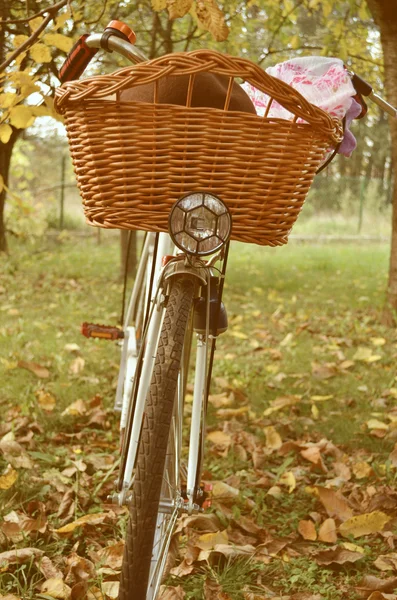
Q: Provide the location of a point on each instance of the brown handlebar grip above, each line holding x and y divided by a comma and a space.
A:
77, 60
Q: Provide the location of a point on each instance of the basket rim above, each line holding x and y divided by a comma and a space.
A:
73, 93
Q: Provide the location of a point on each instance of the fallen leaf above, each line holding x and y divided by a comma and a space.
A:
72, 348
208, 541
18, 556
76, 408
273, 439
35, 368
338, 555
324, 371
313, 454
365, 524
327, 531
366, 355
111, 589
362, 470
45, 400
288, 479
171, 593
334, 503
56, 588
280, 403
8, 478
370, 583
307, 530
219, 438
77, 365
387, 562
223, 491
91, 519
112, 556
375, 424
48, 569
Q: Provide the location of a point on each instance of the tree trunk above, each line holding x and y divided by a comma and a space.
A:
128, 255
5, 162
385, 16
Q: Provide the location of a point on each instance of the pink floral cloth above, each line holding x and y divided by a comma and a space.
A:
322, 81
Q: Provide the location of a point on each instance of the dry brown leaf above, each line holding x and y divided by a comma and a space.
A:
324, 371
112, 556
280, 403
8, 478
386, 562
212, 18
205, 523
208, 541
338, 555
48, 569
219, 438
230, 551
111, 589
79, 569
171, 593
233, 413
213, 591
35, 368
393, 456
327, 531
370, 583
334, 503
273, 438
18, 556
307, 530
56, 588
313, 455
220, 400
15, 454
366, 524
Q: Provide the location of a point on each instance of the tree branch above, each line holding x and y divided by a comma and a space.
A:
53, 11
42, 12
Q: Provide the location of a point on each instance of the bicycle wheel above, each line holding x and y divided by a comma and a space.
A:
156, 495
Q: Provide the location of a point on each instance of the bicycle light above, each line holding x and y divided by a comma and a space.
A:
200, 223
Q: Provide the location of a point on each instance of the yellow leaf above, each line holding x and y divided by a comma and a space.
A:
111, 589
212, 19
35, 23
315, 412
353, 547
321, 398
366, 524
40, 53
295, 42
362, 469
94, 519
63, 42
273, 439
375, 424
288, 479
21, 116
365, 355
46, 401
5, 134
19, 40
178, 8
61, 19
56, 588
207, 541
378, 341
8, 99
158, 5
218, 437
238, 334
8, 478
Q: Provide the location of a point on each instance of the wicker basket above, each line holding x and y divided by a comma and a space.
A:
133, 160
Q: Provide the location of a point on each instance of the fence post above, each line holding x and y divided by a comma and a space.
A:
62, 194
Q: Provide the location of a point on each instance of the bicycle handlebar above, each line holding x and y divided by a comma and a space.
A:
116, 38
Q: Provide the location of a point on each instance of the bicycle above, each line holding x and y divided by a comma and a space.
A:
178, 290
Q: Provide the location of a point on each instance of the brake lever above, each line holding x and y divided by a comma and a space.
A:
365, 89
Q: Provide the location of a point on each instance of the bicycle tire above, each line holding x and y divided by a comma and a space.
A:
151, 460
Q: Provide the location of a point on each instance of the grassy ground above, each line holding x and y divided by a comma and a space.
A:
300, 438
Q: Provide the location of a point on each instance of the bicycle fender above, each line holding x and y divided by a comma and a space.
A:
178, 269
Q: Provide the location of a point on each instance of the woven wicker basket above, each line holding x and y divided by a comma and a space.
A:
133, 160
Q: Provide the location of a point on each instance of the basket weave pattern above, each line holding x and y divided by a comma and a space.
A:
133, 160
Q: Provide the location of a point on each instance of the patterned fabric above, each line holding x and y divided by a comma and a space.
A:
322, 81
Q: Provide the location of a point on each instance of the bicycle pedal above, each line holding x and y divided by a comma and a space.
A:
103, 332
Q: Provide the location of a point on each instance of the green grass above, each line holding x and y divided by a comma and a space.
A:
296, 315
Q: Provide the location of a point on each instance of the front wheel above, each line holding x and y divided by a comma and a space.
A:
156, 494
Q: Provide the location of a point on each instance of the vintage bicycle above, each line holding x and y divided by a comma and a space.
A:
194, 178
